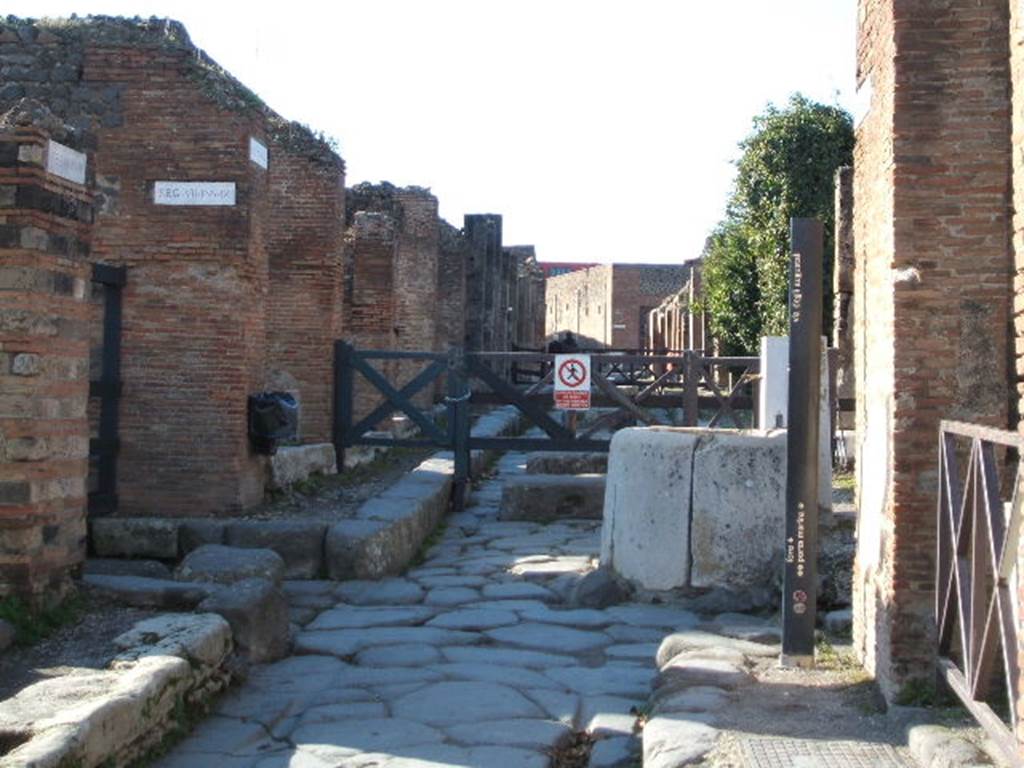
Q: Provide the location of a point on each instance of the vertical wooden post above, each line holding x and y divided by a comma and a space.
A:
343, 399
800, 582
691, 382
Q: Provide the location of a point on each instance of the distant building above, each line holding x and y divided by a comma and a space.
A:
610, 304
556, 268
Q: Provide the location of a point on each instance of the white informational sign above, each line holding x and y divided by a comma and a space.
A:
258, 153
65, 162
194, 193
572, 382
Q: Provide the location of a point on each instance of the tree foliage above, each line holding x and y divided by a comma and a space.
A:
786, 170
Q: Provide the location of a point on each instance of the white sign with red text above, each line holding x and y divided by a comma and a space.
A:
572, 382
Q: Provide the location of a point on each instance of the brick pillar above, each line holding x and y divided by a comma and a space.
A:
842, 287
371, 243
932, 287
45, 227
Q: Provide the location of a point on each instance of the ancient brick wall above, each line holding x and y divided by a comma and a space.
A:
581, 302
304, 245
451, 288
636, 290
196, 305
45, 227
932, 280
528, 317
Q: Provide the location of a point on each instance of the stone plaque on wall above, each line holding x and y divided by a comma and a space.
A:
65, 162
194, 193
258, 152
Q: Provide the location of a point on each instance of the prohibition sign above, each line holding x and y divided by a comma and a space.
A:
572, 372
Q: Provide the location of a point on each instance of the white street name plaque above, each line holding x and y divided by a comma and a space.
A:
194, 193
258, 152
65, 162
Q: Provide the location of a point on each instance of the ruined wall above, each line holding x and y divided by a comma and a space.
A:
581, 302
304, 235
451, 288
528, 317
932, 280
484, 275
45, 227
197, 298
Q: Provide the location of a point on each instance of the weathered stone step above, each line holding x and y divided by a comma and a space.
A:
544, 498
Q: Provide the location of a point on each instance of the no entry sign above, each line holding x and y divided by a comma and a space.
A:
572, 382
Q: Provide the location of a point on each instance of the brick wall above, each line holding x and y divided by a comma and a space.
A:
580, 302
304, 234
932, 280
842, 290
202, 323
636, 290
528, 317
451, 287
45, 224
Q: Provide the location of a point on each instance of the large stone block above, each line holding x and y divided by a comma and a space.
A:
544, 498
226, 565
258, 614
695, 507
135, 537
645, 536
293, 463
738, 509
299, 543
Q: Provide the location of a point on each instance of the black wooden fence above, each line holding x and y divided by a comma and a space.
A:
715, 390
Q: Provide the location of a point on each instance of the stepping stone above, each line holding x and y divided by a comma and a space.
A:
531, 734
670, 741
355, 617
383, 592
610, 679
417, 655
213, 563
687, 673
548, 637
505, 657
604, 716
453, 703
474, 619
518, 590
678, 642
346, 642
447, 596
258, 615
345, 738
491, 673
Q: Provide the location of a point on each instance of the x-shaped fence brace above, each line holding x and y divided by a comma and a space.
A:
978, 539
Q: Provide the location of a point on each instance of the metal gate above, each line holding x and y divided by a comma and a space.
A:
105, 388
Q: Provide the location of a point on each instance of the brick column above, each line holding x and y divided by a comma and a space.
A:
932, 286
45, 224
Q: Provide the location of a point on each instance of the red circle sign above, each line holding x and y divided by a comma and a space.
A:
572, 372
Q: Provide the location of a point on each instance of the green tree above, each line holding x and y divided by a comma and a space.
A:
785, 171
731, 289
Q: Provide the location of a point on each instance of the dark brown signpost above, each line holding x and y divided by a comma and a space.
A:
800, 582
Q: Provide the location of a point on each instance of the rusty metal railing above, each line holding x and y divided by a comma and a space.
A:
976, 593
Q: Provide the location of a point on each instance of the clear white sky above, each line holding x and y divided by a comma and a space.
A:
602, 131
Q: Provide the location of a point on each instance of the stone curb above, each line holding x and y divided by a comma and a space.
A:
382, 539
168, 664
936, 746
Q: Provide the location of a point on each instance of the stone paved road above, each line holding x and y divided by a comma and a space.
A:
466, 661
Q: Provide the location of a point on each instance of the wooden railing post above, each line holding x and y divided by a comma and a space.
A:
343, 400
691, 384
459, 424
